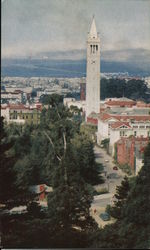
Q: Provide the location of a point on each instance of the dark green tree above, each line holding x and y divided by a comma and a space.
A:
121, 196
7, 174
69, 203
134, 89
90, 170
52, 100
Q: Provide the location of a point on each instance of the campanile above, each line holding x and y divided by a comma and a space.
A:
93, 71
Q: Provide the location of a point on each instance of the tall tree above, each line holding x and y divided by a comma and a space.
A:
70, 202
7, 175
121, 196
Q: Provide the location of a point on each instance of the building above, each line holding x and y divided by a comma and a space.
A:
83, 90
114, 124
120, 102
21, 114
11, 97
73, 102
130, 151
93, 71
92, 119
40, 191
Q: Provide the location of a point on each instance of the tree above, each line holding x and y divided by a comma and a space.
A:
89, 169
7, 174
134, 89
121, 196
70, 202
52, 100
53, 156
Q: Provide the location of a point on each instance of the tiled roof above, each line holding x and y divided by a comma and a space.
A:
119, 124
120, 103
133, 117
16, 106
106, 116
143, 104
37, 189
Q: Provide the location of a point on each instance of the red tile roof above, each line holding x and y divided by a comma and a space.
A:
105, 116
143, 104
17, 106
119, 124
133, 117
120, 103
125, 118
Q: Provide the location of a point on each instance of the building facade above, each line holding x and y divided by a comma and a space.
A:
116, 126
130, 151
21, 114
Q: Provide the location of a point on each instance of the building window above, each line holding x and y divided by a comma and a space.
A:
135, 133
96, 47
142, 127
135, 126
122, 133
91, 48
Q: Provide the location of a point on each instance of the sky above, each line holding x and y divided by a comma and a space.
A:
37, 26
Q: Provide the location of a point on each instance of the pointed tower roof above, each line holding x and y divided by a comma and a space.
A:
93, 31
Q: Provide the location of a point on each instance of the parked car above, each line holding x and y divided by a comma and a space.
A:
115, 168
104, 216
106, 160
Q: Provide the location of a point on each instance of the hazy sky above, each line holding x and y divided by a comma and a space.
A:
31, 26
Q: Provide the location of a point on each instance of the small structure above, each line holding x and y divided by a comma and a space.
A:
40, 191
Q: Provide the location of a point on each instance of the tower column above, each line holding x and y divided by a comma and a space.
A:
93, 71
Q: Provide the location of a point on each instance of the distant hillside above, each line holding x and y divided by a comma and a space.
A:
66, 68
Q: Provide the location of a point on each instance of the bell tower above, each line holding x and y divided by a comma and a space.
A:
93, 71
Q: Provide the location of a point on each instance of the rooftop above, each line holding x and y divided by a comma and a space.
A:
120, 124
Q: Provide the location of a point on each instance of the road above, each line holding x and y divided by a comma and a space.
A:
115, 177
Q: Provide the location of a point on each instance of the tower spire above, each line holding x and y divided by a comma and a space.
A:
93, 31
93, 71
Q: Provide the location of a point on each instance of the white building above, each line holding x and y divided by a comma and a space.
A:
73, 102
115, 126
5, 112
93, 71
147, 80
11, 96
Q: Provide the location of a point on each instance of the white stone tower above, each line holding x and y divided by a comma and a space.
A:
93, 71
